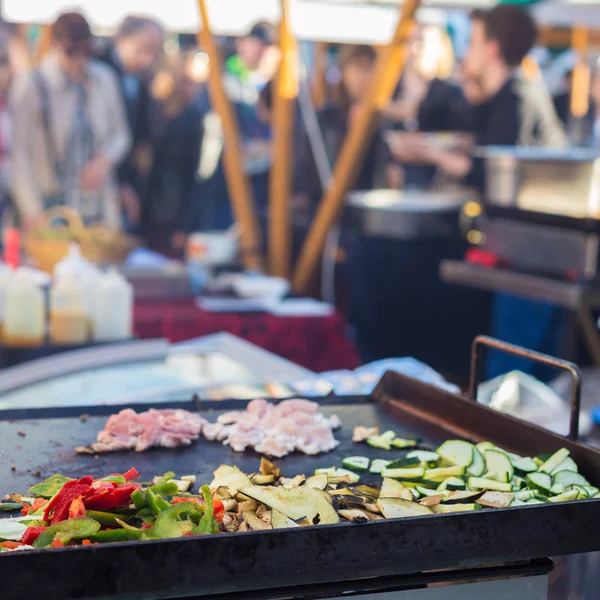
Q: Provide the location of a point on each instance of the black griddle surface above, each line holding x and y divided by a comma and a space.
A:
48, 446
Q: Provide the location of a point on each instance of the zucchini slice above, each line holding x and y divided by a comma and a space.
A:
554, 461
454, 508
499, 463
483, 446
390, 488
523, 465
452, 483
343, 476
535, 501
479, 483
424, 456
525, 495
400, 463
403, 443
416, 473
569, 478
540, 481
394, 508
566, 465
356, 463
427, 492
565, 497
457, 452
477, 467
379, 465
443, 473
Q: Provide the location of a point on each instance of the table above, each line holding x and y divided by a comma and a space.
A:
317, 343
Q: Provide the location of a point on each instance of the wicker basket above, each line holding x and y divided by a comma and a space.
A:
48, 244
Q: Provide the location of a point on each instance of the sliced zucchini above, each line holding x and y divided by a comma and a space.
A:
517, 502
343, 476
416, 473
535, 501
556, 459
356, 463
480, 483
427, 492
452, 483
569, 478
518, 482
566, 465
499, 463
454, 508
377, 441
378, 465
496, 499
318, 482
390, 488
388, 435
393, 508
483, 446
539, 481
558, 488
457, 452
591, 491
477, 467
414, 493
565, 497
525, 495
538, 461
443, 473
326, 471
582, 491
400, 463
502, 477
424, 456
524, 465
403, 443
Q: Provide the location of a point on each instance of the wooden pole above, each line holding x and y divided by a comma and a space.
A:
319, 86
388, 69
280, 183
237, 183
580, 91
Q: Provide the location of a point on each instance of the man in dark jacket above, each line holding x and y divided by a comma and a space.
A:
135, 51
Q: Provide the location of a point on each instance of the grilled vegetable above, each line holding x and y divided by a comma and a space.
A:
477, 467
569, 478
496, 499
554, 461
231, 478
424, 456
407, 473
280, 521
540, 481
356, 463
48, 487
457, 452
379, 465
65, 531
297, 503
498, 462
479, 483
390, 488
393, 508
454, 508
317, 481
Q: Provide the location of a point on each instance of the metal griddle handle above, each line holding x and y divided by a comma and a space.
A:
483, 341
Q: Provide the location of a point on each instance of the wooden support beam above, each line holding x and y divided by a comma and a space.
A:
319, 84
561, 37
580, 91
280, 182
238, 185
388, 68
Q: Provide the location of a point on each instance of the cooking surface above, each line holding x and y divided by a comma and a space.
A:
49, 445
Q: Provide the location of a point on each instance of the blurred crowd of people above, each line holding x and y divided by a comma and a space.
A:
127, 134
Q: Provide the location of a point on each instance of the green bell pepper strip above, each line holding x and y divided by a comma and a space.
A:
169, 525
66, 531
139, 499
165, 489
207, 523
165, 478
106, 518
118, 479
49, 487
155, 502
115, 535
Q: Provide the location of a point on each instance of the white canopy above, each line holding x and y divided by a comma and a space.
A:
353, 21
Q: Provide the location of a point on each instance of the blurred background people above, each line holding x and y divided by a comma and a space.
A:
357, 67
6, 132
133, 56
70, 131
176, 153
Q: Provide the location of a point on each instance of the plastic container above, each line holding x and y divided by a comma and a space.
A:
6, 274
24, 314
69, 317
112, 315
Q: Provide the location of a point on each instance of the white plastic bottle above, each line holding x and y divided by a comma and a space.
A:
24, 312
69, 317
112, 317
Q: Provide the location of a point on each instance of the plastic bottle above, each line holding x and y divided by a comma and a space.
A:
112, 317
86, 273
69, 317
24, 314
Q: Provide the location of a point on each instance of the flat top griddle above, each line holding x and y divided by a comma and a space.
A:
239, 565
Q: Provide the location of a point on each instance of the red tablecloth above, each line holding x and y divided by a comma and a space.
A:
317, 343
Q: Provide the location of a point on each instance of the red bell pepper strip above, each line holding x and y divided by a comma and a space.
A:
58, 508
11, 545
57, 544
31, 534
131, 474
37, 504
218, 506
112, 499
77, 508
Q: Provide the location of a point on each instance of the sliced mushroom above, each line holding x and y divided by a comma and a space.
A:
263, 479
254, 523
230, 522
297, 481
230, 505
269, 468
243, 526
247, 505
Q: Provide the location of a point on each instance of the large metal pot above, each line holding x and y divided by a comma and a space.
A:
406, 215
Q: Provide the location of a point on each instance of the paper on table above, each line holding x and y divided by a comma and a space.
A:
299, 307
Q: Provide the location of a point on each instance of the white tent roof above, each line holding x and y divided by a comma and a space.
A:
353, 21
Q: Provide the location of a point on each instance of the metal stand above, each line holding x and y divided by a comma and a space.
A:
580, 299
